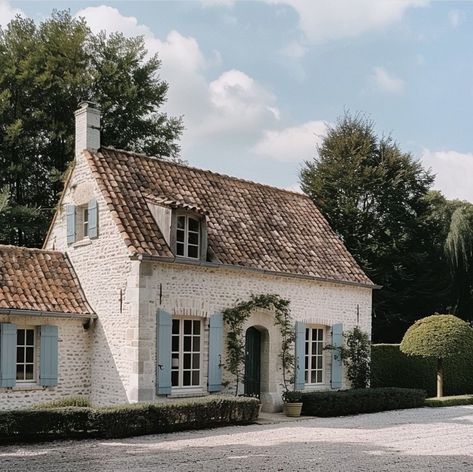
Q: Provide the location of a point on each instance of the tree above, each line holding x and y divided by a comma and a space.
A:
45, 71
439, 337
377, 199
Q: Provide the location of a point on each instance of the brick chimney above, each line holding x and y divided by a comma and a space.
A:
87, 127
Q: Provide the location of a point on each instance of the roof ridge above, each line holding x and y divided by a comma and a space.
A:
206, 171
12, 247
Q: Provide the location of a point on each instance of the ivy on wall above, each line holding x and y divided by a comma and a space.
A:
235, 317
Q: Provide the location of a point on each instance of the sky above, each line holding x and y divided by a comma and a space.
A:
258, 82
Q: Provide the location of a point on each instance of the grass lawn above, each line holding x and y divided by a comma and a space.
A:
449, 401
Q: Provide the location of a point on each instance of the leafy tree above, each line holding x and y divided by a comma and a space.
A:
45, 71
438, 337
377, 199
356, 357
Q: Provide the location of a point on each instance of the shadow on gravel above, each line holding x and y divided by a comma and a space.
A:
127, 456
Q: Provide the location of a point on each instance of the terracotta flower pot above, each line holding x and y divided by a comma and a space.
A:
293, 409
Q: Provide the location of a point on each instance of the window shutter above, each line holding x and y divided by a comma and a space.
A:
7, 355
163, 367
93, 219
71, 223
299, 380
48, 363
337, 341
215, 352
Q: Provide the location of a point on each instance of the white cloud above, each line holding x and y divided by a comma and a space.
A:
323, 20
296, 143
454, 171
233, 105
7, 12
386, 81
456, 17
294, 50
218, 3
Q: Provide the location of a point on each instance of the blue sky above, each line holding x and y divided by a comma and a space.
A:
258, 81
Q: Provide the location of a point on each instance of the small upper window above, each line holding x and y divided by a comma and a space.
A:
188, 237
85, 222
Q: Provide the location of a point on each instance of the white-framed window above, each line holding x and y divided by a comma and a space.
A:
85, 221
188, 230
186, 353
314, 356
26, 355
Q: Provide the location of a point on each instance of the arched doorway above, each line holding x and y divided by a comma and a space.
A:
253, 362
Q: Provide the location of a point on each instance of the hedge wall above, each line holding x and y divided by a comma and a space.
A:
391, 368
123, 421
366, 400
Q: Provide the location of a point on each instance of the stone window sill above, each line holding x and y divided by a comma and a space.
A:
182, 393
23, 388
83, 242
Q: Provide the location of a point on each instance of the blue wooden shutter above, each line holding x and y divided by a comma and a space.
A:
299, 378
215, 352
93, 218
71, 223
337, 341
48, 362
7, 355
163, 367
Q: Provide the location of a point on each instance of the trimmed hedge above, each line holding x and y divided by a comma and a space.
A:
367, 400
449, 401
391, 368
123, 421
66, 402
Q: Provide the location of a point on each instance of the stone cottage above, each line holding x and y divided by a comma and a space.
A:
124, 303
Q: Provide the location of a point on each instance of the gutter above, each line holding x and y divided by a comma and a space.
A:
44, 314
213, 265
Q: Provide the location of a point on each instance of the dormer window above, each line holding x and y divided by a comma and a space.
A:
188, 235
85, 221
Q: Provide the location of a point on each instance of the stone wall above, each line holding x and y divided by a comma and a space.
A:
192, 291
74, 363
106, 275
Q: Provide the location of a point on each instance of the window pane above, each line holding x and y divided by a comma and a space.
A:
196, 361
20, 337
29, 371
187, 343
319, 348
175, 326
193, 224
187, 361
193, 251
194, 238
314, 335
175, 343
186, 381
307, 377
196, 327
196, 343
307, 332
319, 376
195, 377
313, 377
30, 337
175, 378
29, 354
180, 236
306, 348
19, 372
321, 334
319, 362
181, 222
175, 361
20, 354
179, 249
187, 326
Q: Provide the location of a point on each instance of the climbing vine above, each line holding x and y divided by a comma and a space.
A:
235, 317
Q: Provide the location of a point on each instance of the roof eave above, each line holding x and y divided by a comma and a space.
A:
46, 314
176, 260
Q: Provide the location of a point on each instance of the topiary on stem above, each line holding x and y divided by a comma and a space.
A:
439, 337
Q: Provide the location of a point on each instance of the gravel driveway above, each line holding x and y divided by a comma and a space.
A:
408, 440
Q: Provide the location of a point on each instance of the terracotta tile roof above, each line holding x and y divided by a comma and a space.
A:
39, 280
250, 225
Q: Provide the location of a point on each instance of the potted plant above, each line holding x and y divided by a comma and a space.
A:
292, 403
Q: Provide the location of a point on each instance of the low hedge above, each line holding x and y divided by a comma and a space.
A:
367, 400
123, 421
391, 368
449, 401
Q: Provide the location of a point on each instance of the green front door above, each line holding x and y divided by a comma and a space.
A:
253, 362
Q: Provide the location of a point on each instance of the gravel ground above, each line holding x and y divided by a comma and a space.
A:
438, 439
